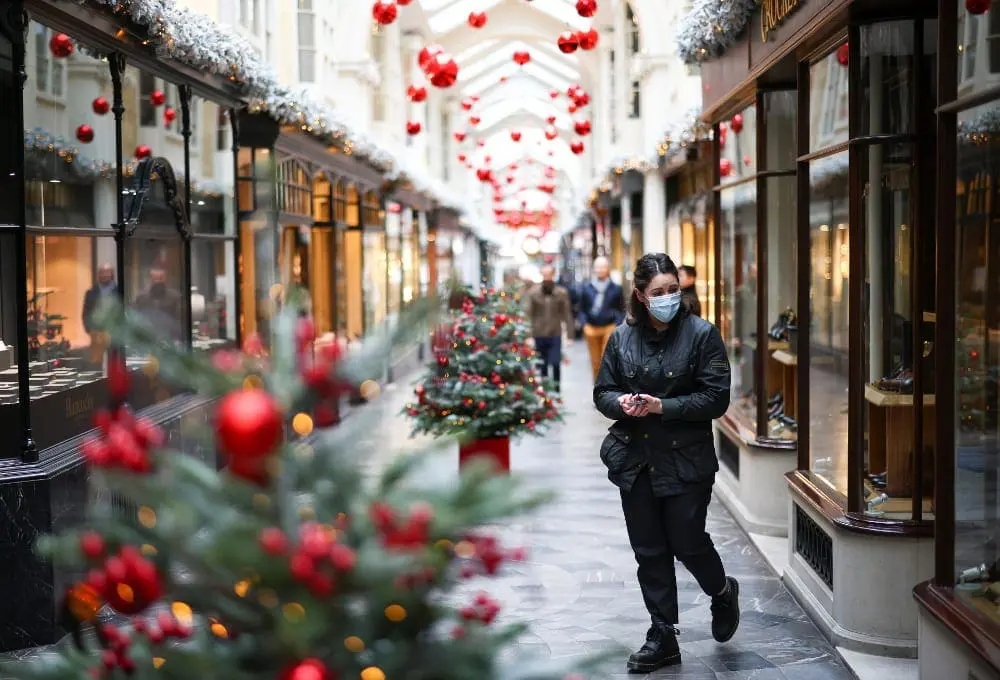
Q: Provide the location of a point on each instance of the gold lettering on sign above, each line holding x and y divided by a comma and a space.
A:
773, 12
76, 407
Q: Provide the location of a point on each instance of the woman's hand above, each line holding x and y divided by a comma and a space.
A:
633, 407
653, 404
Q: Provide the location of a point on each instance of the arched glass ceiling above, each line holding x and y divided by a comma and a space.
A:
476, 64
516, 75
446, 15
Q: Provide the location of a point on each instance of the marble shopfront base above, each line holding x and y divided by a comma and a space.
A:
943, 655
856, 586
50, 497
754, 490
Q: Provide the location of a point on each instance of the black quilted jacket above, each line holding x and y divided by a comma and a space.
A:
687, 368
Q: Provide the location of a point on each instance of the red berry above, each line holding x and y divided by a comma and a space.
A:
321, 585
155, 635
342, 558
468, 613
325, 414
109, 659
458, 632
97, 452
301, 566
92, 545
305, 333
119, 380
273, 541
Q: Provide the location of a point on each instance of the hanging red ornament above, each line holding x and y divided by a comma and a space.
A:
581, 99
503, 79
157, 98
467, 104
309, 669
551, 133
844, 52
413, 127
477, 19
487, 159
85, 134
427, 54
443, 71
480, 143
586, 8
384, 13
567, 42
515, 135
572, 108
100, 106
484, 174
462, 158
459, 136
403, 3
588, 39
522, 57
747, 161
554, 94
977, 6
143, 151
513, 166
582, 127
169, 115
61, 45
416, 94
576, 147
249, 425
736, 124
474, 120
511, 179
725, 167
550, 172
551, 120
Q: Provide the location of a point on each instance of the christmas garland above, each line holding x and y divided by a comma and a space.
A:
193, 39
40, 141
712, 27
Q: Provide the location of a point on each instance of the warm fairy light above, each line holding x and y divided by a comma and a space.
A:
252, 382
465, 549
158, 662
261, 501
147, 517
242, 588
373, 673
182, 612
354, 644
218, 630
395, 613
302, 424
294, 612
148, 550
370, 390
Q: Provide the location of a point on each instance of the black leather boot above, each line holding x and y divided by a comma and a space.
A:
726, 612
661, 649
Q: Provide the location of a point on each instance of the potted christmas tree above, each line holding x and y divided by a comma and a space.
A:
286, 564
481, 385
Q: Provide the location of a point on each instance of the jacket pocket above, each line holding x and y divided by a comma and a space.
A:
615, 451
694, 454
677, 379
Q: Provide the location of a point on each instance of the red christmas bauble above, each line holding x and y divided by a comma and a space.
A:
581, 99
551, 133
309, 669
85, 134
725, 167
484, 174
61, 45
248, 424
384, 13
515, 135
462, 158
572, 108
477, 19
467, 104
588, 39
551, 120
567, 42
977, 6
443, 71
427, 54
576, 147
416, 94
132, 582
157, 98
413, 127
554, 94
480, 143
586, 8
100, 106
522, 57
747, 161
169, 115
582, 127
736, 124
459, 136
403, 3
143, 151
474, 120
844, 52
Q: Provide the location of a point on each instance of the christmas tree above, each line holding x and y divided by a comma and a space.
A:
289, 563
45, 338
481, 383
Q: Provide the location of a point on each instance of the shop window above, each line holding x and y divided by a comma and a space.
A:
738, 145
394, 257
222, 137
828, 103
213, 285
738, 233
258, 274
307, 42
321, 255
152, 115
410, 256
887, 79
50, 72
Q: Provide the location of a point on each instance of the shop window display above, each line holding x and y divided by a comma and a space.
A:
322, 255
394, 255
411, 256
829, 247
828, 102
738, 240
351, 258
260, 291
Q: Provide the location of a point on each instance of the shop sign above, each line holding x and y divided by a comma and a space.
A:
773, 13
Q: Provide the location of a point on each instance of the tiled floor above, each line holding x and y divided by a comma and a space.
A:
578, 589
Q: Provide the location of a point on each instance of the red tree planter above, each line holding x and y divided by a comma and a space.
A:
496, 450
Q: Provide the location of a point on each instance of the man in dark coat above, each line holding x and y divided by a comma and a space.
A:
687, 276
103, 289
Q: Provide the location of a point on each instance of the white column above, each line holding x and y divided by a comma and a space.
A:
654, 214
603, 120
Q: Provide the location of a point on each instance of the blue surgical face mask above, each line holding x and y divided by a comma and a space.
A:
664, 307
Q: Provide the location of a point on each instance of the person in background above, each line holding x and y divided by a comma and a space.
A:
602, 308
161, 305
549, 310
103, 290
687, 276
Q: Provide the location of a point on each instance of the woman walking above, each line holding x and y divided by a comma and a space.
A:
663, 379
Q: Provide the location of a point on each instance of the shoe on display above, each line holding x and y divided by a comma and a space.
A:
726, 612
661, 649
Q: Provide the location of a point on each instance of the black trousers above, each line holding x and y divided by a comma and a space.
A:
549, 352
663, 528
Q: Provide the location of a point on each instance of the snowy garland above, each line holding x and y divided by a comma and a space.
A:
39, 141
195, 40
712, 27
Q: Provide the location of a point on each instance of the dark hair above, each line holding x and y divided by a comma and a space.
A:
689, 270
646, 269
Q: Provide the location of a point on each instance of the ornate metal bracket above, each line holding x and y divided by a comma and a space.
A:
137, 194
